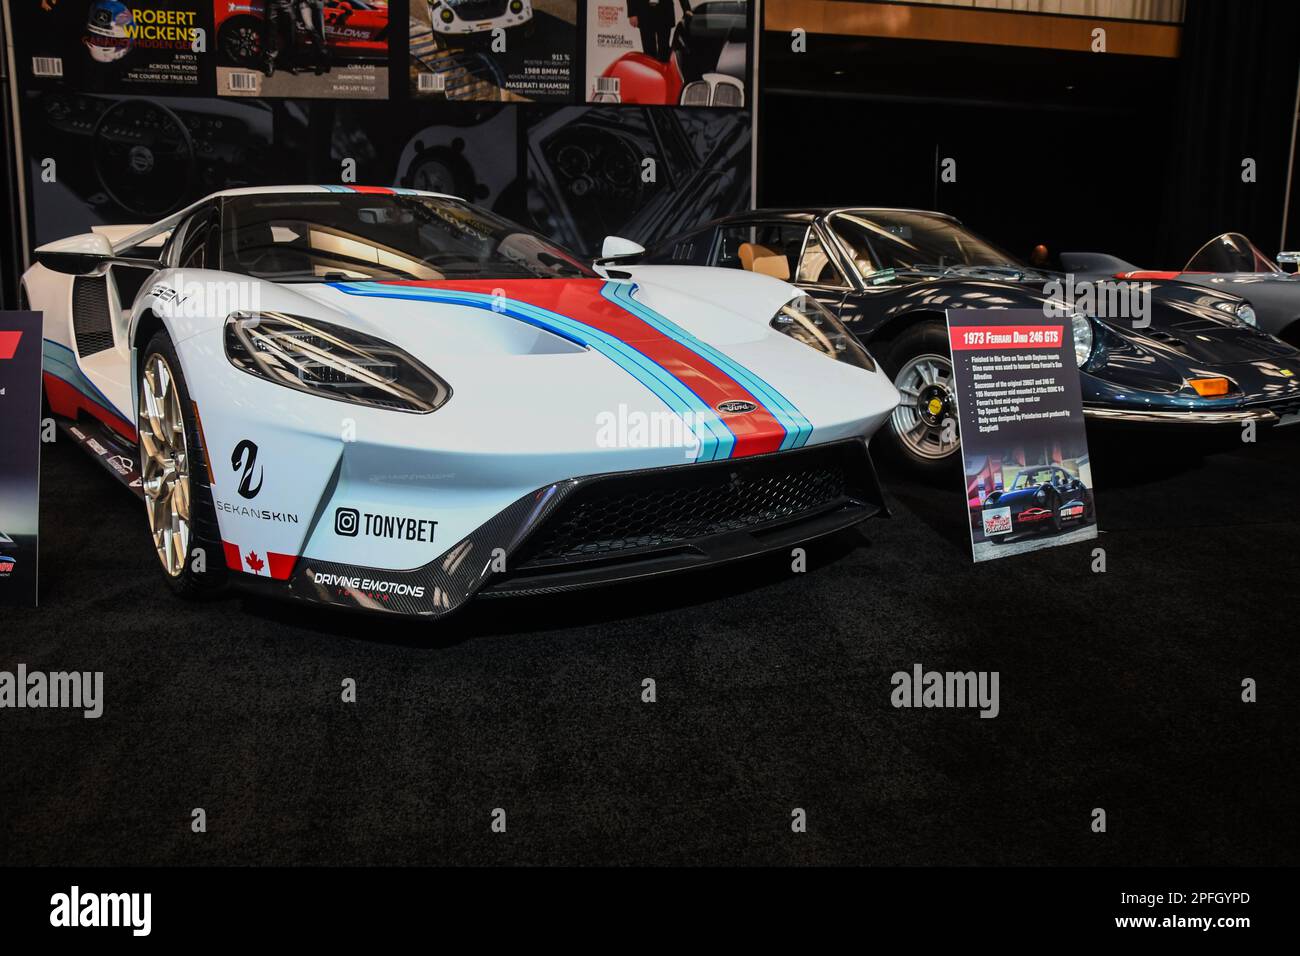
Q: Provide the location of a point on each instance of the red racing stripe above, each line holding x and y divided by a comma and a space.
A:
757, 432
67, 401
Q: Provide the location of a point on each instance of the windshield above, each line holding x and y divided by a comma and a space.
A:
340, 237
1039, 476
912, 241
1230, 252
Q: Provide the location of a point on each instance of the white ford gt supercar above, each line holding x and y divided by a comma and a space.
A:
393, 400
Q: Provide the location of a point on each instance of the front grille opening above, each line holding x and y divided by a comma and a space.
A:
625, 515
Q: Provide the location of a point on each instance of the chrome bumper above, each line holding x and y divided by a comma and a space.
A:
1233, 417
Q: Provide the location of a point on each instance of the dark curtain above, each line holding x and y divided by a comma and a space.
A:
1236, 99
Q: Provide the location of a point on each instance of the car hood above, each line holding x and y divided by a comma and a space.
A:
452, 316
687, 340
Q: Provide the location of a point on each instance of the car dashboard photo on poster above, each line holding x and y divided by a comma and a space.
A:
393, 400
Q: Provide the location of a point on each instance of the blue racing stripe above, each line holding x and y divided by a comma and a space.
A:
798, 428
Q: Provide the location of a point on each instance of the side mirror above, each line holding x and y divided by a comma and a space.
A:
1289, 259
616, 247
76, 255
88, 254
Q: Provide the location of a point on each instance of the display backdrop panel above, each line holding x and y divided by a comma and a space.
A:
644, 174
112, 143
1028, 475
20, 455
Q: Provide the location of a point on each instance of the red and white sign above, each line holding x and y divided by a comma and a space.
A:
974, 337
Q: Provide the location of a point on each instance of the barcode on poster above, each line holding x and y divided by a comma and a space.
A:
608, 84
243, 82
431, 82
47, 66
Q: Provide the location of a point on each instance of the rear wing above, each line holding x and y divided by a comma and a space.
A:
121, 235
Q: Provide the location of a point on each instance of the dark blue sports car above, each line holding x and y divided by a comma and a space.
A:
1167, 352
1046, 498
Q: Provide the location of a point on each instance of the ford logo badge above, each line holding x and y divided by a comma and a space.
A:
736, 407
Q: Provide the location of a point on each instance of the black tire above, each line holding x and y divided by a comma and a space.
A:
232, 41
204, 572
1054, 502
929, 337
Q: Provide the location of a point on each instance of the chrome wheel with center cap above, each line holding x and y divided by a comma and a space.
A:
925, 384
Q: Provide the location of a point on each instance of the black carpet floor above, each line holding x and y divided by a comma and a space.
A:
1119, 690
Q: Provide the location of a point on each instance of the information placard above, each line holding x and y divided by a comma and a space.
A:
1028, 476
20, 455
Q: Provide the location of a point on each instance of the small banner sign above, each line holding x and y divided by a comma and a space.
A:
20, 455
1020, 414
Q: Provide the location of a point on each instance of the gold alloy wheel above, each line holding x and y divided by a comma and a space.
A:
165, 464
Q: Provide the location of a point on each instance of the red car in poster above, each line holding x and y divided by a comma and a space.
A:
706, 66
354, 30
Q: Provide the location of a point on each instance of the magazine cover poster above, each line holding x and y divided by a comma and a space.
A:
667, 52
494, 50
115, 46
336, 49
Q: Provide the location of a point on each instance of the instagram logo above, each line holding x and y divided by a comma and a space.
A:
346, 522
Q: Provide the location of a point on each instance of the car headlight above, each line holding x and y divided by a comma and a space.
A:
446, 15
1081, 330
330, 361
516, 6
808, 321
1243, 312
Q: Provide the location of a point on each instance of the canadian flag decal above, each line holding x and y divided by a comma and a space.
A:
270, 564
